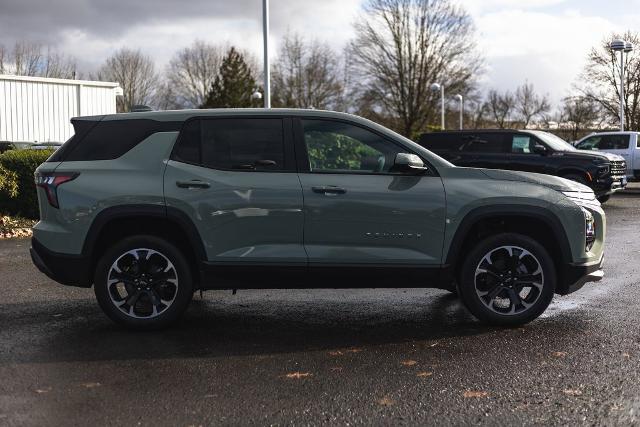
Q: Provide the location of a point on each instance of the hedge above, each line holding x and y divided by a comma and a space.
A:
18, 195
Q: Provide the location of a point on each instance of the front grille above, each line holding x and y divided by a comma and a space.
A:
618, 168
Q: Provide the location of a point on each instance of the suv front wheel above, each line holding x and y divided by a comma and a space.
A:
143, 282
508, 279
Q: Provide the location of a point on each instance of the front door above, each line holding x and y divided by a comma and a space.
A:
523, 156
359, 213
235, 179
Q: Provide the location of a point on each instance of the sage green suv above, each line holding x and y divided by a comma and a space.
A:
150, 207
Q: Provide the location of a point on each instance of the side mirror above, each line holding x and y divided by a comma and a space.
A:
405, 162
540, 149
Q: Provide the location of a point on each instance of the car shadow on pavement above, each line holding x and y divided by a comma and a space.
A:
48, 332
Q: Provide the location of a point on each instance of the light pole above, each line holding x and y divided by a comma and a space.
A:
460, 99
265, 36
438, 87
622, 47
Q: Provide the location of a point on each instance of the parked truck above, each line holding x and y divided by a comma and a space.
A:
38, 110
625, 144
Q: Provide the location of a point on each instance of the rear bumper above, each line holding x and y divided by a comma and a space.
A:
576, 275
71, 270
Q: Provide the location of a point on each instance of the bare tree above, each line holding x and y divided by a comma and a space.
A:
307, 74
136, 74
401, 47
500, 107
31, 59
581, 113
601, 80
530, 104
27, 58
57, 65
3, 58
191, 72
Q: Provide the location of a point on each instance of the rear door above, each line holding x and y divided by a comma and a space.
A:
361, 217
235, 178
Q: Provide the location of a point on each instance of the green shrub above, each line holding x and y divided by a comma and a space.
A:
17, 187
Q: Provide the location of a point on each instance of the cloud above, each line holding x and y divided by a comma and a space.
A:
90, 30
544, 41
547, 49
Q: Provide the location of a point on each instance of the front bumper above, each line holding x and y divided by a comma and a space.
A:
609, 185
71, 270
576, 275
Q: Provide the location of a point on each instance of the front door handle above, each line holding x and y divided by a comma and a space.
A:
192, 184
329, 190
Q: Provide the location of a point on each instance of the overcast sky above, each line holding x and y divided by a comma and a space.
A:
543, 41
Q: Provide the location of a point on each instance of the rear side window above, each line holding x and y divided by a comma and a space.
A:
441, 141
233, 143
614, 142
108, 140
487, 143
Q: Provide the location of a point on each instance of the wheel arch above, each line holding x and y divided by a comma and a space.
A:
575, 171
542, 225
168, 223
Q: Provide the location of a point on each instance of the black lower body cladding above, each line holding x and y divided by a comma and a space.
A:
71, 270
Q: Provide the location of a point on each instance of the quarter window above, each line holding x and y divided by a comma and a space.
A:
341, 147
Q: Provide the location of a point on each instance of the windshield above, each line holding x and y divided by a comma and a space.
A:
553, 141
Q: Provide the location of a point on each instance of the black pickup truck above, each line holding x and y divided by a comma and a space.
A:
530, 151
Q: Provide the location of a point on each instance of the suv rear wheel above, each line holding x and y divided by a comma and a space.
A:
143, 282
507, 280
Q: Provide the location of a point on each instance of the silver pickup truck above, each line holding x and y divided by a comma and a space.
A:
625, 144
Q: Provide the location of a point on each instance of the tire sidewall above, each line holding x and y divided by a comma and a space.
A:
185, 283
466, 282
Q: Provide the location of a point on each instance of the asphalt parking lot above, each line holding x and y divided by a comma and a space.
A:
401, 356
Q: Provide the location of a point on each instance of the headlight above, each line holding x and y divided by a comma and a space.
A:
589, 229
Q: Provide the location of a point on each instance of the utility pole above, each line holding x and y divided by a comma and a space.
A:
265, 35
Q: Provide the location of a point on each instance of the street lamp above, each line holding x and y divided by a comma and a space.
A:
438, 87
265, 36
460, 99
256, 96
621, 46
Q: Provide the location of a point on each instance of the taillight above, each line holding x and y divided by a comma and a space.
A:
50, 183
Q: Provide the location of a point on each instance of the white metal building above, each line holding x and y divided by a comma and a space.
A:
37, 109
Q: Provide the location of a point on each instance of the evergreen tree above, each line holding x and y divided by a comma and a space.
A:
234, 84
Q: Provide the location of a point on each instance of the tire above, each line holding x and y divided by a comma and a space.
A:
489, 259
143, 282
604, 199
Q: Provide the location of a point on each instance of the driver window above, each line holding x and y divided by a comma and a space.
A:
522, 144
334, 146
592, 143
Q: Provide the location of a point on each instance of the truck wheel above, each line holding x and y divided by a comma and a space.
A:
507, 280
143, 282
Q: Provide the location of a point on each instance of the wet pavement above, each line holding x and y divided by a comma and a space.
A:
393, 356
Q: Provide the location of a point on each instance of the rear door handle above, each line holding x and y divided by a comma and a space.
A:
329, 190
192, 184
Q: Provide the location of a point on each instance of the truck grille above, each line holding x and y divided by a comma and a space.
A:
618, 168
